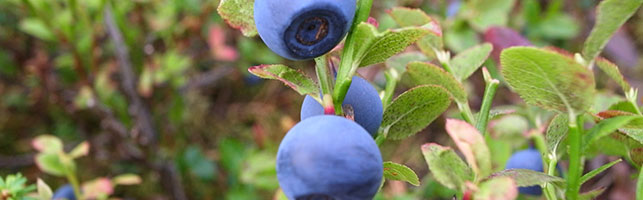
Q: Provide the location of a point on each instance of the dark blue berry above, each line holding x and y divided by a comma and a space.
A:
303, 29
527, 159
329, 157
64, 192
362, 97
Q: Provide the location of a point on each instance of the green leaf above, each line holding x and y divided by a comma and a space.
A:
526, 177
605, 127
44, 191
611, 14
399, 61
37, 28
399, 172
497, 188
239, 14
429, 74
487, 13
50, 163
47, 144
591, 195
597, 171
413, 110
446, 167
556, 132
619, 144
127, 179
468, 61
548, 79
625, 106
294, 79
406, 17
613, 72
81, 150
387, 44
471, 145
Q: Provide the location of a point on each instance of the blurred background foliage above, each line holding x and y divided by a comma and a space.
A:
160, 88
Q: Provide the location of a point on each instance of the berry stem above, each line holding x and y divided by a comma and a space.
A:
325, 81
347, 66
391, 82
575, 167
487, 100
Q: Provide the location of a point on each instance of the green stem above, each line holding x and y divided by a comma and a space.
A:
323, 76
465, 111
549, 160
347, 66
639, 185
487, 100
71, 177
575, 167
380, 139
551, 170
391, 82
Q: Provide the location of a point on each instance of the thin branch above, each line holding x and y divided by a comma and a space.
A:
137, 108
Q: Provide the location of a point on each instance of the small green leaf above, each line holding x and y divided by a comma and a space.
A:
487, 13
625, 106
127, 179
44, 191
239, 14
427, 73
413, 110
406, 17
37, 28
399, 172
548, 79
613, 72
81, 150
597, 171
50, 163
591, 195
471, 145
295, 79
605, 127
389, 43
446, 167
468, 61
526, 177
611, 14
556, 132
497, 188
399, 61
47, 144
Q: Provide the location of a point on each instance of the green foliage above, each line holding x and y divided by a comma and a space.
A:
556, 132
471, 144
612, 14
294, 79
468, 61
429, 74
487, 13
613, 72
597, 171
407, 17
14, 187
526, 177
497, 188
413, 110
446, 167
373, 47
547, 79
239, 14
607, 126
399, 172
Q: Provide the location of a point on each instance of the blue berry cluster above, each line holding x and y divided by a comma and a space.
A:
332, 157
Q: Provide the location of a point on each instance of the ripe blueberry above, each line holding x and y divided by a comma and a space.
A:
303, 29
64, 192
329, 157
527, 159
362, 97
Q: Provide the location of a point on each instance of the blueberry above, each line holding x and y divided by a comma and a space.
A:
303, 29
329, 157
64, 192
362, 97
527, 159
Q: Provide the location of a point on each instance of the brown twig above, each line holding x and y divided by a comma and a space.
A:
138, 109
